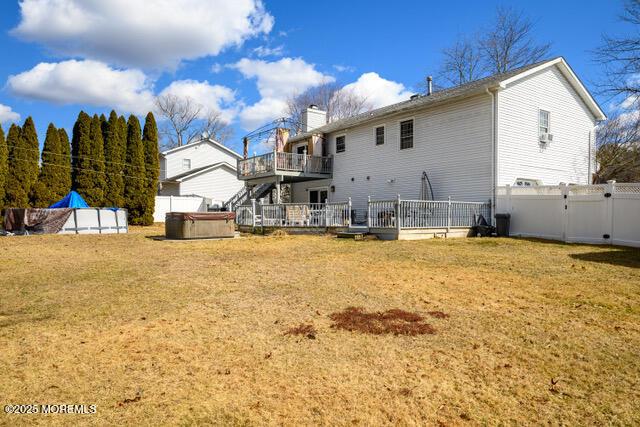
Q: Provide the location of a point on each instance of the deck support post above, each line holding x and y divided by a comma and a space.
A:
253, 212
368, 212
398, 216
449, 214
278, 180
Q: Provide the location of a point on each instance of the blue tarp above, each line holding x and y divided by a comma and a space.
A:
71, 200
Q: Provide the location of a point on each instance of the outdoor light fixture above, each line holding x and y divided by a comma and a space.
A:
333, 188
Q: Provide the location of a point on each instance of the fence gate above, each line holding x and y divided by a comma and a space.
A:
603, 214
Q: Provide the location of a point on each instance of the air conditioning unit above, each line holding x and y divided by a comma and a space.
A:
546, 138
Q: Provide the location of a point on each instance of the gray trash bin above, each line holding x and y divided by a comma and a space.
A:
502, 224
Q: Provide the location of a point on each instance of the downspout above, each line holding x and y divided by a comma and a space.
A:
494, 152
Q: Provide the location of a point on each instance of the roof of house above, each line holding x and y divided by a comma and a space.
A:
197, 171
463, 91
202, 141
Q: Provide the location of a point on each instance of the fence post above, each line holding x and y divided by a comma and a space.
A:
398, 216
368, 212
170, 203
449, 214
609, 191
349, 213
564, 191
253, 213
326, 213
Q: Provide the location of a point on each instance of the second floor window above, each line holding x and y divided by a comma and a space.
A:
544, 122
406, 134
340, 144
186, 164
380, 135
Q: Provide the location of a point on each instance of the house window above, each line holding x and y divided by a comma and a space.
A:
379, 135
544, 122
406, 134
186, 164
340, 144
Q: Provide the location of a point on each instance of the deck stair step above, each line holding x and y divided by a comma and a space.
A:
351, 235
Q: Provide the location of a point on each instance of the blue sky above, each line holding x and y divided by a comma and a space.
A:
241, 56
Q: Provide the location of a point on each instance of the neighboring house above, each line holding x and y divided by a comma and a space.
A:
530, 126
203, 168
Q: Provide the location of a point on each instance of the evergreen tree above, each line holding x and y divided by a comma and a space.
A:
152, 166
24, 153
81, 158
134, 173
115, 150
97, 163
52, 182
65, 160
4, 166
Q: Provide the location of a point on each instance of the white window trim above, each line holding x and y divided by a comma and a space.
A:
184, 167
540, 110
400, 133
318, 189
335, 143
375, 136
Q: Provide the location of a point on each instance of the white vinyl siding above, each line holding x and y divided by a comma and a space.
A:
520, 154
452, 143
219, 184
199, 154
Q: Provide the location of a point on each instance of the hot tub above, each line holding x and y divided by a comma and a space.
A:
199, 225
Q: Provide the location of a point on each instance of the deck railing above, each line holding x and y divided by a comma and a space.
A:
419, 214
270, 163
314, 215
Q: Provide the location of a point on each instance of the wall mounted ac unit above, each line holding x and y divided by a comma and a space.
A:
546, 138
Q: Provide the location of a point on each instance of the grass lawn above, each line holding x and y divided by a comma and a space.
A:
196, 332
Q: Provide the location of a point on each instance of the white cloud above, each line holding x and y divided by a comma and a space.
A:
276, 81
209, 97
85, 82
217, 68
142, 33
8, 115
378, 91
263, 51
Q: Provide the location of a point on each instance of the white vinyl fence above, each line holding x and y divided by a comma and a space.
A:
166, 204
604, 213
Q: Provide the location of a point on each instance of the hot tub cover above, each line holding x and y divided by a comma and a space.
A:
201, 216
71, 200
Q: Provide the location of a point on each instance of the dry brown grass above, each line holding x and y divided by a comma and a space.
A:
160, 332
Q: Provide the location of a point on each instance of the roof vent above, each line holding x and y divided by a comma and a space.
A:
429, 85
416, 96
313, 106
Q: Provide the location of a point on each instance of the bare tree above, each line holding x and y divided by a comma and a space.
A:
618, 149
506, 45
620, 58
330, 97
509, 43
186, 119
461, 62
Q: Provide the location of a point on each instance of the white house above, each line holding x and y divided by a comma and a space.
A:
203, 168
530, 126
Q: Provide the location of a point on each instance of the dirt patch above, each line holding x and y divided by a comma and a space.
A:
303, 329
395, 321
